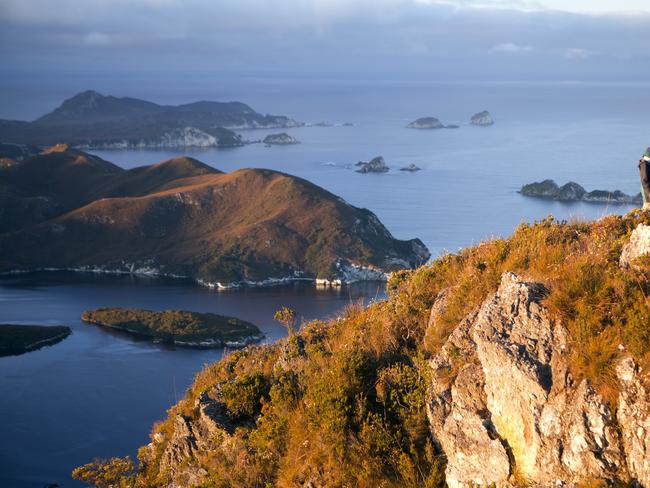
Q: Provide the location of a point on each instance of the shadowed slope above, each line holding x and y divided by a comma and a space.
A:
182, 217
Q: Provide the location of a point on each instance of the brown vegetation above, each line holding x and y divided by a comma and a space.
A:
68, 209
342, 403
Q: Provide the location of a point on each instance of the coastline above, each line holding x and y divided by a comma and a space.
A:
364, 274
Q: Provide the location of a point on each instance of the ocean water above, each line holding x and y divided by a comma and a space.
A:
467, 190
97, 393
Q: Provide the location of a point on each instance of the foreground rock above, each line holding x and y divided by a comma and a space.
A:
375, 165
483, 118
92, 120
513, 410
19, 339
65, 209
573, 192
282, 139
637, 247
190, 329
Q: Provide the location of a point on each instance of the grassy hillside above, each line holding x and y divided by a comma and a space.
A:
68, 209
341, 403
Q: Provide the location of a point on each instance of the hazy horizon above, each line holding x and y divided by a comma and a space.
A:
116, 47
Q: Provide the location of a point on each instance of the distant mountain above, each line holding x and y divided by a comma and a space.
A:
68, 209
92, 120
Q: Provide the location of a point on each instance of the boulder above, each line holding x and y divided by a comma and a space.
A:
637, 246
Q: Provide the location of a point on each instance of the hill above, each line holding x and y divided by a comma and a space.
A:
68, 209
92, 120
519, 362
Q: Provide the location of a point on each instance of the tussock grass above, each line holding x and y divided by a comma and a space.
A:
353, 412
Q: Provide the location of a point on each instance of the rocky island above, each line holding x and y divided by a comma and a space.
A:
67, 209
19, 339
281, 139
520, 361
483, 118
429, 123
92, 120
375, 165
178, 327
411, 168
573, 192
426, 123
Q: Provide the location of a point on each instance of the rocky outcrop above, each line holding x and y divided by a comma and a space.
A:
375, 165
573, 192
189, 439
483, 118
282, 139
426, 123
504, 408
411, 168
633, 416
637, 246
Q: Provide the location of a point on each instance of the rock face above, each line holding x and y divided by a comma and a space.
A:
503, 407
634, 418
573, 192
282, 139
482, 118
426, 123
637, 246
191, 437
375, 165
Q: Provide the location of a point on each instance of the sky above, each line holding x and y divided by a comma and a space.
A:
530, 40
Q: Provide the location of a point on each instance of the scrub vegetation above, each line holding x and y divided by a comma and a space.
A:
342, 403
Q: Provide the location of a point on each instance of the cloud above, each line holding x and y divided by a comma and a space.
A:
511, 48
96, 39
577, 53
450, 39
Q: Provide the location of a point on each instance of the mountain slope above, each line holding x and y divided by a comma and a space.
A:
181, 217
518, 362
90, 119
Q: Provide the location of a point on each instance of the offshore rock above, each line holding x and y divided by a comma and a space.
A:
483, 118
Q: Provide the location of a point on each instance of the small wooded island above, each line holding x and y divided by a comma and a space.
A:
19, 339
179, 327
